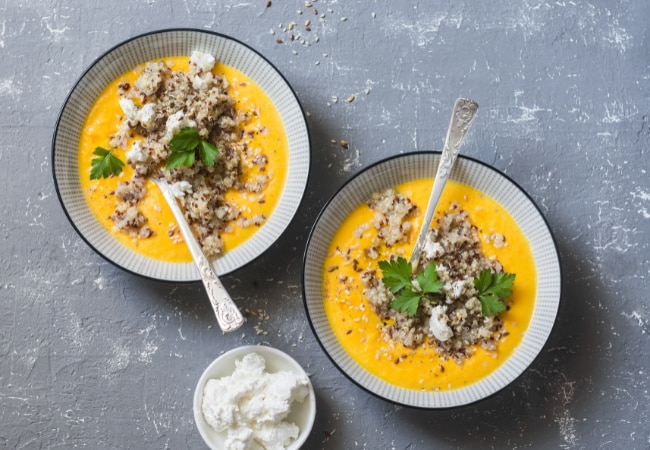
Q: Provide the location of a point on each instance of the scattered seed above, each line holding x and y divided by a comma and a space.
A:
308, 4
373, 14
317, 63
291, 25
351, 99
279, 41
272, 31
295, 52
333, 141
315, 12
343, 19
307, 28
268, 4
345, 144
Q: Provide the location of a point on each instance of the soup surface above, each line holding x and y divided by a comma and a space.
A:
358, 328
104, 119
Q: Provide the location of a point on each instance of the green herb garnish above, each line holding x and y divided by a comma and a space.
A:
408, 294
492, 289
183, 149
105, 165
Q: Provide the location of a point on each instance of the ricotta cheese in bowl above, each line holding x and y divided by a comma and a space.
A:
254, 397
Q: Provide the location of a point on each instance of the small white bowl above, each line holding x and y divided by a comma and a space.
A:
302, 414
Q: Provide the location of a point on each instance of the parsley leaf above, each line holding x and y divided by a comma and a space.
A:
208, 153
397, 277
492, 289
105, 165
183, 147
397, 274
407, 301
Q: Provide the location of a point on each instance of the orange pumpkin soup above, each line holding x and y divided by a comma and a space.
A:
261, 129
359, 329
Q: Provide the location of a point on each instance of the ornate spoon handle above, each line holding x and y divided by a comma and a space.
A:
461, 119
227, 313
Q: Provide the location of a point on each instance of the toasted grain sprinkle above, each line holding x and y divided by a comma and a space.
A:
351, 99
279, 41
345, 144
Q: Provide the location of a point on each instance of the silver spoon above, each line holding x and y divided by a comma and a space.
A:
227, 313
461, 119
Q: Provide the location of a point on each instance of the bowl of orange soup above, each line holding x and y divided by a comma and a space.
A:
203, 111
468, 319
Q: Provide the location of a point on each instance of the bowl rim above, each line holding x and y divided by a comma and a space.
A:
240, 352
96, 61
331, 200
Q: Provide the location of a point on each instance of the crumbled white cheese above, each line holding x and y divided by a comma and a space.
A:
180, 188
146, 115
432, 249
438, 323
204, 61
129, 109
201, 83
176, 122
252, 404
143, 116
455, 289
136, 155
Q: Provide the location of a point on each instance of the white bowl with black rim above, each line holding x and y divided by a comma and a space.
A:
408, 167
126, 56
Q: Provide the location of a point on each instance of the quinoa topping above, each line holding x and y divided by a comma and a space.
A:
159, 104
455, 324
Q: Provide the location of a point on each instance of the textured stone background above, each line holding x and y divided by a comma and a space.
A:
93, 357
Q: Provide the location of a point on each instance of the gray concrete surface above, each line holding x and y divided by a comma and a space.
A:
93, 357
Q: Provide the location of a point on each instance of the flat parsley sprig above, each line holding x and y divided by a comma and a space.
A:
183, 147
105, 164
492, 289
408, 292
